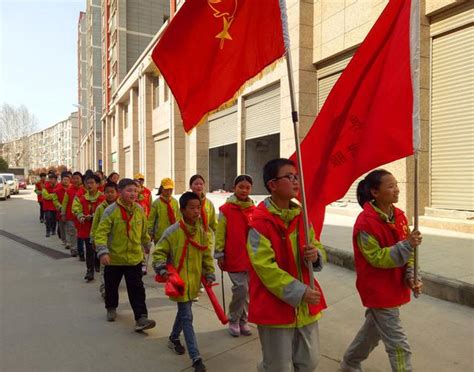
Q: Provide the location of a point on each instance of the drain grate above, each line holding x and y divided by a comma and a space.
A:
57, 255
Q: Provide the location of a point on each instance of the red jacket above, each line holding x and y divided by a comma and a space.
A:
60, 191
48, 205
71, 192
265, 308
380, 288
237, 228
88, 208
39, 186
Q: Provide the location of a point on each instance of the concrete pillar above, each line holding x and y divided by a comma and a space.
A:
120, 153
178, 149
133, 109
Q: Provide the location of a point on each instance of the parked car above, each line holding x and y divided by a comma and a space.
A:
22, 184
4, 188
12, 182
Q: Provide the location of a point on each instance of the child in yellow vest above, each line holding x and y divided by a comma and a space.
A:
164, 210
184, 244
111, 194
119, 239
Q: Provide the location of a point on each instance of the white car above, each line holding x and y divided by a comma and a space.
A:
4, 189
12, 182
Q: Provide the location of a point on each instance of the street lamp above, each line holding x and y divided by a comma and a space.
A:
97, 162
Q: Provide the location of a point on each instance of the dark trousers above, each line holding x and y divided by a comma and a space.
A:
50, 217
91, 258
135, 289
80, 246
41, 211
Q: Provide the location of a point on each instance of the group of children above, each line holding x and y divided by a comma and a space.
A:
261, 247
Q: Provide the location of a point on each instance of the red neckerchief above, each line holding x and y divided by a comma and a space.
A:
126, 217
171, 216
91, 206
188, 241
286, 232
203, 214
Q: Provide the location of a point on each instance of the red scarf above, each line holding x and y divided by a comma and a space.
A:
188, 241
285, 234
171, 216
126, 217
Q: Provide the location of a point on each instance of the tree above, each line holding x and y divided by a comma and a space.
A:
16, 124
3, 165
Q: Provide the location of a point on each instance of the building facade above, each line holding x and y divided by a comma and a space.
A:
143, 131
84, 153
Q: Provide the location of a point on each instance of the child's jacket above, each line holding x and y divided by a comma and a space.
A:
381, 254
85, 205
208, 214
279, 276
231, 234
122, 232
66, 208
49, 197
39, 191
163, 214
185, 247
97, 217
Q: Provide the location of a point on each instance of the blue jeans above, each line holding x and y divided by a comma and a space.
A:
184, 322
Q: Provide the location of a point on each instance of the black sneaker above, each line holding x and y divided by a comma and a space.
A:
41, 220
53, 232
48, 234
144, 323
82, 258
199, 366
89, 276
176, 346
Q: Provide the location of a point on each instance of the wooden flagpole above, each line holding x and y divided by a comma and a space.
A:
294, 117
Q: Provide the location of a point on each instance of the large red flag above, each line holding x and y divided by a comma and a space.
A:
212, 48
367, 119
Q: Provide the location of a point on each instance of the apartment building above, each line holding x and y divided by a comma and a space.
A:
53, 146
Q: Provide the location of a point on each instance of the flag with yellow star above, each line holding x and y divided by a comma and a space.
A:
212, 48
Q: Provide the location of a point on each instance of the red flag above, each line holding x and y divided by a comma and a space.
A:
212, 48
367, 119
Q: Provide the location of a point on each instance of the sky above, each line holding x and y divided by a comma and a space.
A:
38, 56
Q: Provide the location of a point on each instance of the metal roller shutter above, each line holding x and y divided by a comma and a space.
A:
262, 112
223, 127
452, 120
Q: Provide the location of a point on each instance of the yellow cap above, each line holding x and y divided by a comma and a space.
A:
167, 183
139, 176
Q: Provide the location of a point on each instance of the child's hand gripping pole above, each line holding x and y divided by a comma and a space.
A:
215, 303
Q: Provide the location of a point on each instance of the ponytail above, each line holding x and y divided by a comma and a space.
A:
370, 182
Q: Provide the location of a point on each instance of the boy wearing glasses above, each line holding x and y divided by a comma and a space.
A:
282, 303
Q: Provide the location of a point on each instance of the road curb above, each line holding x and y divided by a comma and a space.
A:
434, 285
